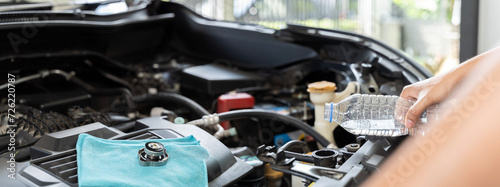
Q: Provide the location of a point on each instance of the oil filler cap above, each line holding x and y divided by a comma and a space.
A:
153, 154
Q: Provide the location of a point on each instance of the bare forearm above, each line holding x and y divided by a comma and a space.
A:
459, 72
436, 89
460, 150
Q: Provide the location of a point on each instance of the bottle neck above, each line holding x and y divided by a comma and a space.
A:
334, 112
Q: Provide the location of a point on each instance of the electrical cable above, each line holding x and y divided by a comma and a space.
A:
109, 76
172, 98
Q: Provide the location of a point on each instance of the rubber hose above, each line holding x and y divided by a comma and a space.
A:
172, 98
246, 113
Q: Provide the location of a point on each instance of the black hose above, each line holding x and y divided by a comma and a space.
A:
98, 91
288, 120
172, 98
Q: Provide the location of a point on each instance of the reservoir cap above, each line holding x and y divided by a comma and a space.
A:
321, 87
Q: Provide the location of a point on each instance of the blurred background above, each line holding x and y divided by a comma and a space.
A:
428, 31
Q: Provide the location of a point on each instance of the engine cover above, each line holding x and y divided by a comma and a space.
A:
54, 155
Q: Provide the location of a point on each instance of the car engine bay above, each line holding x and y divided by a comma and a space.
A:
165, 72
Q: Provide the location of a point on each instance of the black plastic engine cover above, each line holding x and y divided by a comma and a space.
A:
55, 154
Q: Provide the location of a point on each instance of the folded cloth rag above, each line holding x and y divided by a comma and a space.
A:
103, 162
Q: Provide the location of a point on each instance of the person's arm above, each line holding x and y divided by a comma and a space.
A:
459, 150
433, 90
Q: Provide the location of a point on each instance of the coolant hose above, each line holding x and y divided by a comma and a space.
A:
288, 120
172, 98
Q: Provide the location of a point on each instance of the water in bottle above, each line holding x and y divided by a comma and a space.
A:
376, 115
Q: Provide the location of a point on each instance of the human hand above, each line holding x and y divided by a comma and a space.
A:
426, 93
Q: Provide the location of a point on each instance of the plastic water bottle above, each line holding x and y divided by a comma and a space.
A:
377, 115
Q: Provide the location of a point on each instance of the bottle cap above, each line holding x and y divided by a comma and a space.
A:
321, 87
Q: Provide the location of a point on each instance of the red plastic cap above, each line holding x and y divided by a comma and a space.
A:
234, 101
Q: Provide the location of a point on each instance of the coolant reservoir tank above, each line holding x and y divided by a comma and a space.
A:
324, 92
320, 93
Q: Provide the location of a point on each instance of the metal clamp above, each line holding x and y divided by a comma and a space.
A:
153, 154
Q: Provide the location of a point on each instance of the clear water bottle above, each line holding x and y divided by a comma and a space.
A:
377, 115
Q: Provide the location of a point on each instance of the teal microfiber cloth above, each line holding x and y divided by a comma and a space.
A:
103, 162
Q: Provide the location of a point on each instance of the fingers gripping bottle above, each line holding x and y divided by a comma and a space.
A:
377, 115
